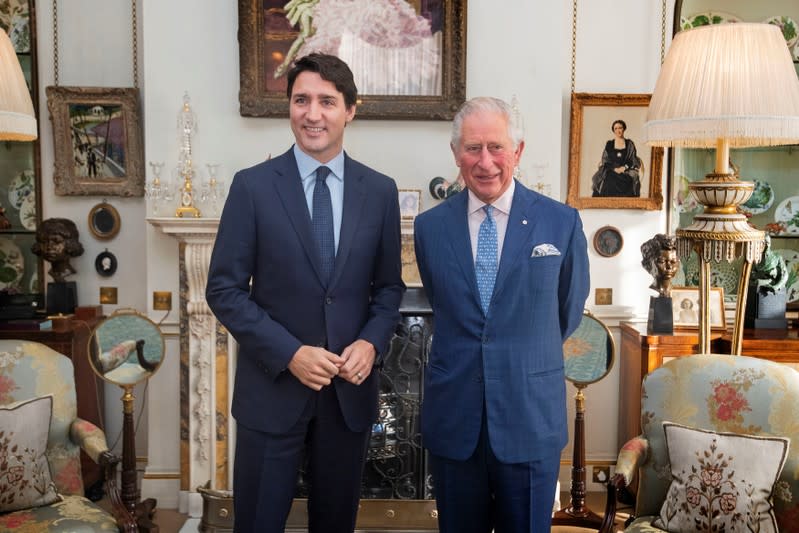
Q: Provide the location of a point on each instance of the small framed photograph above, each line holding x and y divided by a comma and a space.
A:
410, 202
685, 307
97, 141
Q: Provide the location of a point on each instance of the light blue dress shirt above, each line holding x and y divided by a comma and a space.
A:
307, 165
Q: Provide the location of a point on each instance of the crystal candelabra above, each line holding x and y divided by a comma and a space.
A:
158, 191
540, 186
212, 194
187, 126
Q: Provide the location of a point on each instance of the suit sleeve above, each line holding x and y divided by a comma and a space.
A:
387, 284
574, 280
227, 292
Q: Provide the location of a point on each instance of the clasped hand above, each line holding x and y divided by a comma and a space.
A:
316, 367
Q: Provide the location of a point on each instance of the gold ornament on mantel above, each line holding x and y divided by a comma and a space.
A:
187, 126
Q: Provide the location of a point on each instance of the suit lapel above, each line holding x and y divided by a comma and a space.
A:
288, 186
520, 225
457, 224
354, 197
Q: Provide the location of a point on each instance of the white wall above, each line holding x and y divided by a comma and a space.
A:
523, 49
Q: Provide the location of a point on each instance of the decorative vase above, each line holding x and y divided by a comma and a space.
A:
765, 311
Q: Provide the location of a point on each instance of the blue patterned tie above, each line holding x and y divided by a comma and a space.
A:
485, 265
323, 223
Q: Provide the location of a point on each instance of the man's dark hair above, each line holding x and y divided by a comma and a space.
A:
331, 69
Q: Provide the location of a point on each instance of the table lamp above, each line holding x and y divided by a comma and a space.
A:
723, 86
17, 119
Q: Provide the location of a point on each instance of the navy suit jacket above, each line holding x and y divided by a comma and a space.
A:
264, 286
511, 359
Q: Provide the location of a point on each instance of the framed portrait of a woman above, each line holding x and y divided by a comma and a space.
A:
610, 164
408, 57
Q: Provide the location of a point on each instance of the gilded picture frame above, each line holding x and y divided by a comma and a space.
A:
431, 44
591, 132
97, 141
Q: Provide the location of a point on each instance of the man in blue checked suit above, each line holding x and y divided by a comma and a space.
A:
506, 273
306, 275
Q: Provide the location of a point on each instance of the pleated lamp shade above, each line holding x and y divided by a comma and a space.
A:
725, 81
17, 119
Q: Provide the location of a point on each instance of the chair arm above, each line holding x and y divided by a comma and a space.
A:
631, 457
89, 437
92, 440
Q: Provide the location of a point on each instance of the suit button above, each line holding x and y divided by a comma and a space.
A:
328, 300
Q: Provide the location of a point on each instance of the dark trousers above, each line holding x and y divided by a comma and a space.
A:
482, 494
266, 469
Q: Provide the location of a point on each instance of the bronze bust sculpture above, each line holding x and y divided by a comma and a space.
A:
660, 259
57, 242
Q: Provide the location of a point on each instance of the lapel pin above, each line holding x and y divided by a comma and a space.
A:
524, 222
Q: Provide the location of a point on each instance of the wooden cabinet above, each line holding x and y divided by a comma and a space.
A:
73, 341
641, 353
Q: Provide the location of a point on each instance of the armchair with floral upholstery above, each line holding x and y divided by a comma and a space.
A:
30, 371
743, 402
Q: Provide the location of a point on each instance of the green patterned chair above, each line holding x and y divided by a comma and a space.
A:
728, 397
30, 370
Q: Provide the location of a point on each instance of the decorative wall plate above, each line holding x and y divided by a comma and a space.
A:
787, 26
705, 19
787, 213
27, 212
20, 187
12, 264
608, 241
761, 200
792, 262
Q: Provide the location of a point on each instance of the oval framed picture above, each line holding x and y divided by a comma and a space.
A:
104, 221
105, 264
608, 241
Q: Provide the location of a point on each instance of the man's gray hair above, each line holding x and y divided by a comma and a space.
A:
488, 104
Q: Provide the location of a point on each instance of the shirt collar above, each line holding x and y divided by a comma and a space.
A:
502, 203
307, 165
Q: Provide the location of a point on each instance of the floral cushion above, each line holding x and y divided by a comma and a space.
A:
29, 370
720, 481
721, 393
24, 472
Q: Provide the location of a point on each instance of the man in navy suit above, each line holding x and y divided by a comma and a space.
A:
506, 273
306, 276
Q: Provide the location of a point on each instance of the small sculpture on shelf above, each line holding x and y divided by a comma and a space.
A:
57, 242
660, 259
766, 298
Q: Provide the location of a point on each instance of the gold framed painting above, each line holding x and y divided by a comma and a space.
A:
408, 62
97, 141
610, 165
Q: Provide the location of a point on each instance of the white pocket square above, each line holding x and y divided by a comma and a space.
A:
545, 249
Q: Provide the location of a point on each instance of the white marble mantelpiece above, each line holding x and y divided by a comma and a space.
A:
205, 366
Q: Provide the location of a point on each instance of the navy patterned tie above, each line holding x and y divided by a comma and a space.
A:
323, 223
485, 266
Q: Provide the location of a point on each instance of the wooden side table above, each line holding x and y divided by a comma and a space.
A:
642, 353
780, 345
73, 341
